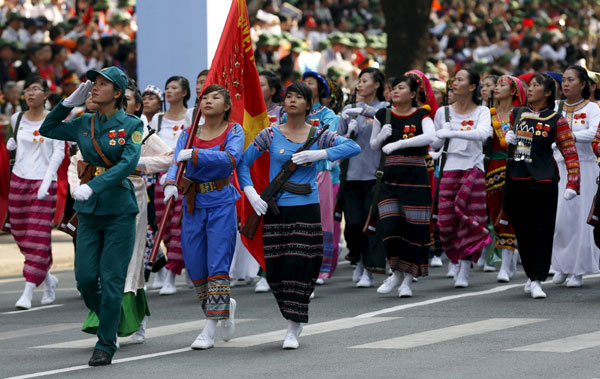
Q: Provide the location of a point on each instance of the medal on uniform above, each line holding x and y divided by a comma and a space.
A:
85, 134
41, 139
121, 141
35, 140
537, 133
545, 134
112, 134
122, 133
281, 151
112, 142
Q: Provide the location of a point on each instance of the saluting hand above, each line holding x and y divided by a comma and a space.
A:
83, 193
79, 96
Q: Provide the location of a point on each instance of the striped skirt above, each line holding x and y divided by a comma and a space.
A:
172, 235
462, 214
293, 244
326, 201
31, 224
495, 183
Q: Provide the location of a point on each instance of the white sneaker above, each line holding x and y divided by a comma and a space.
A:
404, 291
159, 279
391, 282
203, 342
366, 280
228, 326
188, 280
536, 290
575, 281
452, 270
462, 277
320, 281
168, 289
436, 262
480, 261
290, 342
503, 276
117, 342
24, 302
262, 286
140, 335
312, 295
358, 272
527, 287
488, 268
559, 277
49, 290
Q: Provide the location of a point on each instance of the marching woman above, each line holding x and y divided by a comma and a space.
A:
156, 156
32, 193
508, 94
405, 193
574, 252
462, 213
168, 126
356, 192
209, 218
488, 86
110, 143
532, 180
293, 239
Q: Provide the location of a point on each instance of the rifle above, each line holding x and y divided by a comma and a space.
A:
169, 205
268, 194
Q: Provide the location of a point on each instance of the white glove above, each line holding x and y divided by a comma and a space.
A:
435, 154
510, 138
391, 147
11, 144
259, 205
351, 112
79, 96
368, 111
170, 191
309, 156
569, 194
352, 129
83, 193
386, 131
43, 190
185, 155
445, 133
162, 180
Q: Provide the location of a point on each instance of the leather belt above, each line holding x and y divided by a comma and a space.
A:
99, 170
217, 184
136, 174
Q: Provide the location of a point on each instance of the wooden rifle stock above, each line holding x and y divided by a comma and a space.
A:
169, 205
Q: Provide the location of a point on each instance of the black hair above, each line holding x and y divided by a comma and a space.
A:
121, 101
303, 90
473, 78
220, 89
378, 77
107, 41
583, 77
413, 86
56, 49
538, 64
81, 40
202, 73
549, 85
185, 85
137, 96
274, 83
491, 99
36, 79
55, 31
320, 87
34, 48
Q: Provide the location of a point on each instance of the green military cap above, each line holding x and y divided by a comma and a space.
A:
14, 16
267, 39
377, 20
5, 42
382, 43
339, 39
430, 68
112, 73
126, 3
370, 39
285, 35
355, 21
359, 40
297, 45
543, 21
503, 59
120, 16
324, 44
101, 5
481, 67
335, 72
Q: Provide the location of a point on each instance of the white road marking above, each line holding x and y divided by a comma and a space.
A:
158, 331
309, 330
564, 345
446, 334
491, 291
11, 280
59, 289
33, 309
38, 330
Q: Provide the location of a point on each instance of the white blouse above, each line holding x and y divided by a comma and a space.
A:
169, 129
35, 153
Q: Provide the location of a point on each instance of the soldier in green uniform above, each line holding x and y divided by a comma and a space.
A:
106, 204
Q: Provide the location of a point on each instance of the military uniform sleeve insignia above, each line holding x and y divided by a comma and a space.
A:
136, 137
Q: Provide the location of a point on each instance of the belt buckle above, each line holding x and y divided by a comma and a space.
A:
379, 174
99, 170
207, 187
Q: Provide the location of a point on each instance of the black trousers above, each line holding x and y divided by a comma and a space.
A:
532, 210
357, 200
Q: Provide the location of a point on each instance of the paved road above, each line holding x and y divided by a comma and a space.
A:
488, 330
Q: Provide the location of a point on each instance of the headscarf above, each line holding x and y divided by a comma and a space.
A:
515, 83
425, 86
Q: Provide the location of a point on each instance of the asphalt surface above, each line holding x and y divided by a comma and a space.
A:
464, 333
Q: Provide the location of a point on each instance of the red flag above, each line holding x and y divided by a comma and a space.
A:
234, 68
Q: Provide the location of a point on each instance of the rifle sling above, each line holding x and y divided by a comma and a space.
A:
379, 172
107, 161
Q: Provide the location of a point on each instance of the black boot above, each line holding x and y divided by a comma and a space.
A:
100, 358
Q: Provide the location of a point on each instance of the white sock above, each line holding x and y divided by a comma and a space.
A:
170, 277
407, 280
48, 279
28, 291
209, 328
293, 327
